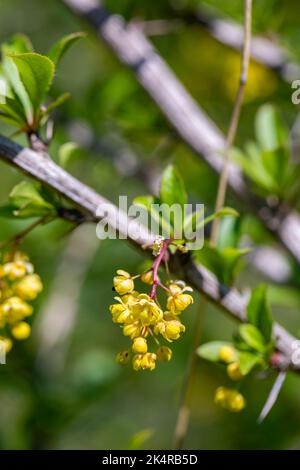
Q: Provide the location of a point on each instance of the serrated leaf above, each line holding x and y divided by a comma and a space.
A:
59, 49
210, 351
259, 313
36, 73
253, 337
172, 189
270, 130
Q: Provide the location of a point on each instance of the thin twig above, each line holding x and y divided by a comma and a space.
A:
221, 194
16, 239
182, 424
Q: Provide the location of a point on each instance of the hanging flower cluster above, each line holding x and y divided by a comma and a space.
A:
19, 285
230, 398
142, 317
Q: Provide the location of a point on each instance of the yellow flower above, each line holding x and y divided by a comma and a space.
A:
21, 330
146, 310
8, 344
123, 282
148, 361
132, 329
137, 361
227, 354
234, 371
170, 330
178, 300
164, 354
221, 395
29, 287
129, 299
15, 309
15, 270
236, 402
123, 358
147, 277
230, 399
139, 345
120, 312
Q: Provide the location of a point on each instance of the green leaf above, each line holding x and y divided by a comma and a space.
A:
147, 203
144, 201
259, 313
276, 164
248, 361
59, 49
7, 211
58, 102
18, 44
13, 110
270, 130
36, 73
172, 189
67, 152
225, 264
252, 165
19, 93
212, 259
225, 212
230, 231
28, 202
210, 351
232, 263
253, 337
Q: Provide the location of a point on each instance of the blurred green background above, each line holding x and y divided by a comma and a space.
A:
62, 388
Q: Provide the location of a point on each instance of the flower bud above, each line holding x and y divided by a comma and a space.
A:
147, 277
220, 395
234, 371
123, 283
15, 270
29, 287
123, 358
139, 345
164, 354
227, 354
15, 309
21, 330
236, 402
